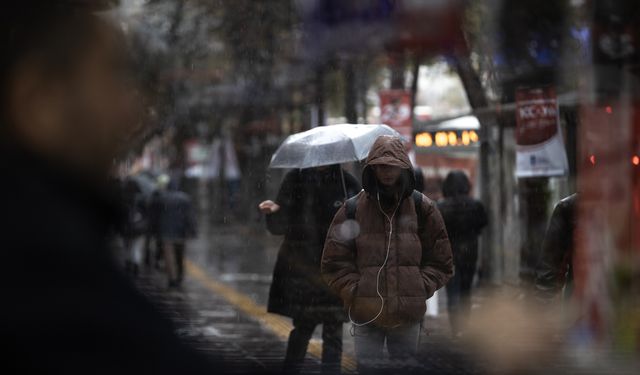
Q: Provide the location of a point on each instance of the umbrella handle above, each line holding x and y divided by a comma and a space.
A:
344, 185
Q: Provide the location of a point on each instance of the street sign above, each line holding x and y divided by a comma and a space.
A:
395, 111
458, 139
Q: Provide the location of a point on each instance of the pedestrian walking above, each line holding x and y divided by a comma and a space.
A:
386, 253
464, 218
302, 212
175, 224
135, 225
154, 239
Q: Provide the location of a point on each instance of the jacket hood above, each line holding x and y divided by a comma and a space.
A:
388, 150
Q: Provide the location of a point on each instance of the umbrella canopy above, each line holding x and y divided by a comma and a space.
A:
327, 145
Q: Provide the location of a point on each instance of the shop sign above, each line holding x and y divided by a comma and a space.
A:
540, 150
395, 111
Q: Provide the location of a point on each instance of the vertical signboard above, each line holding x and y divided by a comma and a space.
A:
395, 111
540, 148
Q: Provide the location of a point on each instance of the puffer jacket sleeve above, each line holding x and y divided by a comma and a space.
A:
339, 268
437, 260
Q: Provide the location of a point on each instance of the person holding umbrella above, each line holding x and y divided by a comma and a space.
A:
302, 212
309, 197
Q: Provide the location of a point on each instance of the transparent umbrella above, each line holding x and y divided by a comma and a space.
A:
327, 145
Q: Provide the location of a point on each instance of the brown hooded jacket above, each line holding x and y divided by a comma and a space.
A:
417, 264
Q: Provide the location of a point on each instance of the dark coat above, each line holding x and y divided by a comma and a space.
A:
173, 216
67, 308
136, 222
464, 218
308, 199
418, 264
554, 270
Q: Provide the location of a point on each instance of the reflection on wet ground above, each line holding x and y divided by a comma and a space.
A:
221, 308
241, 256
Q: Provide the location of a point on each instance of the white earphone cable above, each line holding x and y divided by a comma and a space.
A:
384, 264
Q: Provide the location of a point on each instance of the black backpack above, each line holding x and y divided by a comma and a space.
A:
352, 203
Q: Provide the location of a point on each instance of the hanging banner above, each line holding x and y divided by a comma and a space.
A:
540, 147
395, 111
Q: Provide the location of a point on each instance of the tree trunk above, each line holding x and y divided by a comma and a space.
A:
397, 64
319, 97
534, 197
489, 169
350, 94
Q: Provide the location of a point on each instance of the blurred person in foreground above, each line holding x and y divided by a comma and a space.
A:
66, 112
554, 272
302, 212
175, 222
464, 218
386, 253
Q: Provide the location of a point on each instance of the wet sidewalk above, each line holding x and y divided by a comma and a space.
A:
221, 308
211, 323
218, 320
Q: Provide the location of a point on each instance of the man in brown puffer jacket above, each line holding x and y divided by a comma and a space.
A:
386, 252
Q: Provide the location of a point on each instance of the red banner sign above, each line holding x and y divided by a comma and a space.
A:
395, 111
540, 148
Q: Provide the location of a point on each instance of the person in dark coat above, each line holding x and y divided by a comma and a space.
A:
464, 218
302, 212
135, 225
154, 240
67, 308
175, 224
555, 269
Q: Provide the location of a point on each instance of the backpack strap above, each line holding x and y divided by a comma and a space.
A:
417, 201
350, 207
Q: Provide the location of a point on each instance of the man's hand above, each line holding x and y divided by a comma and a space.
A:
269, 207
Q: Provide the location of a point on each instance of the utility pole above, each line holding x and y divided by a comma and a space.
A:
350, 93
489, 169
